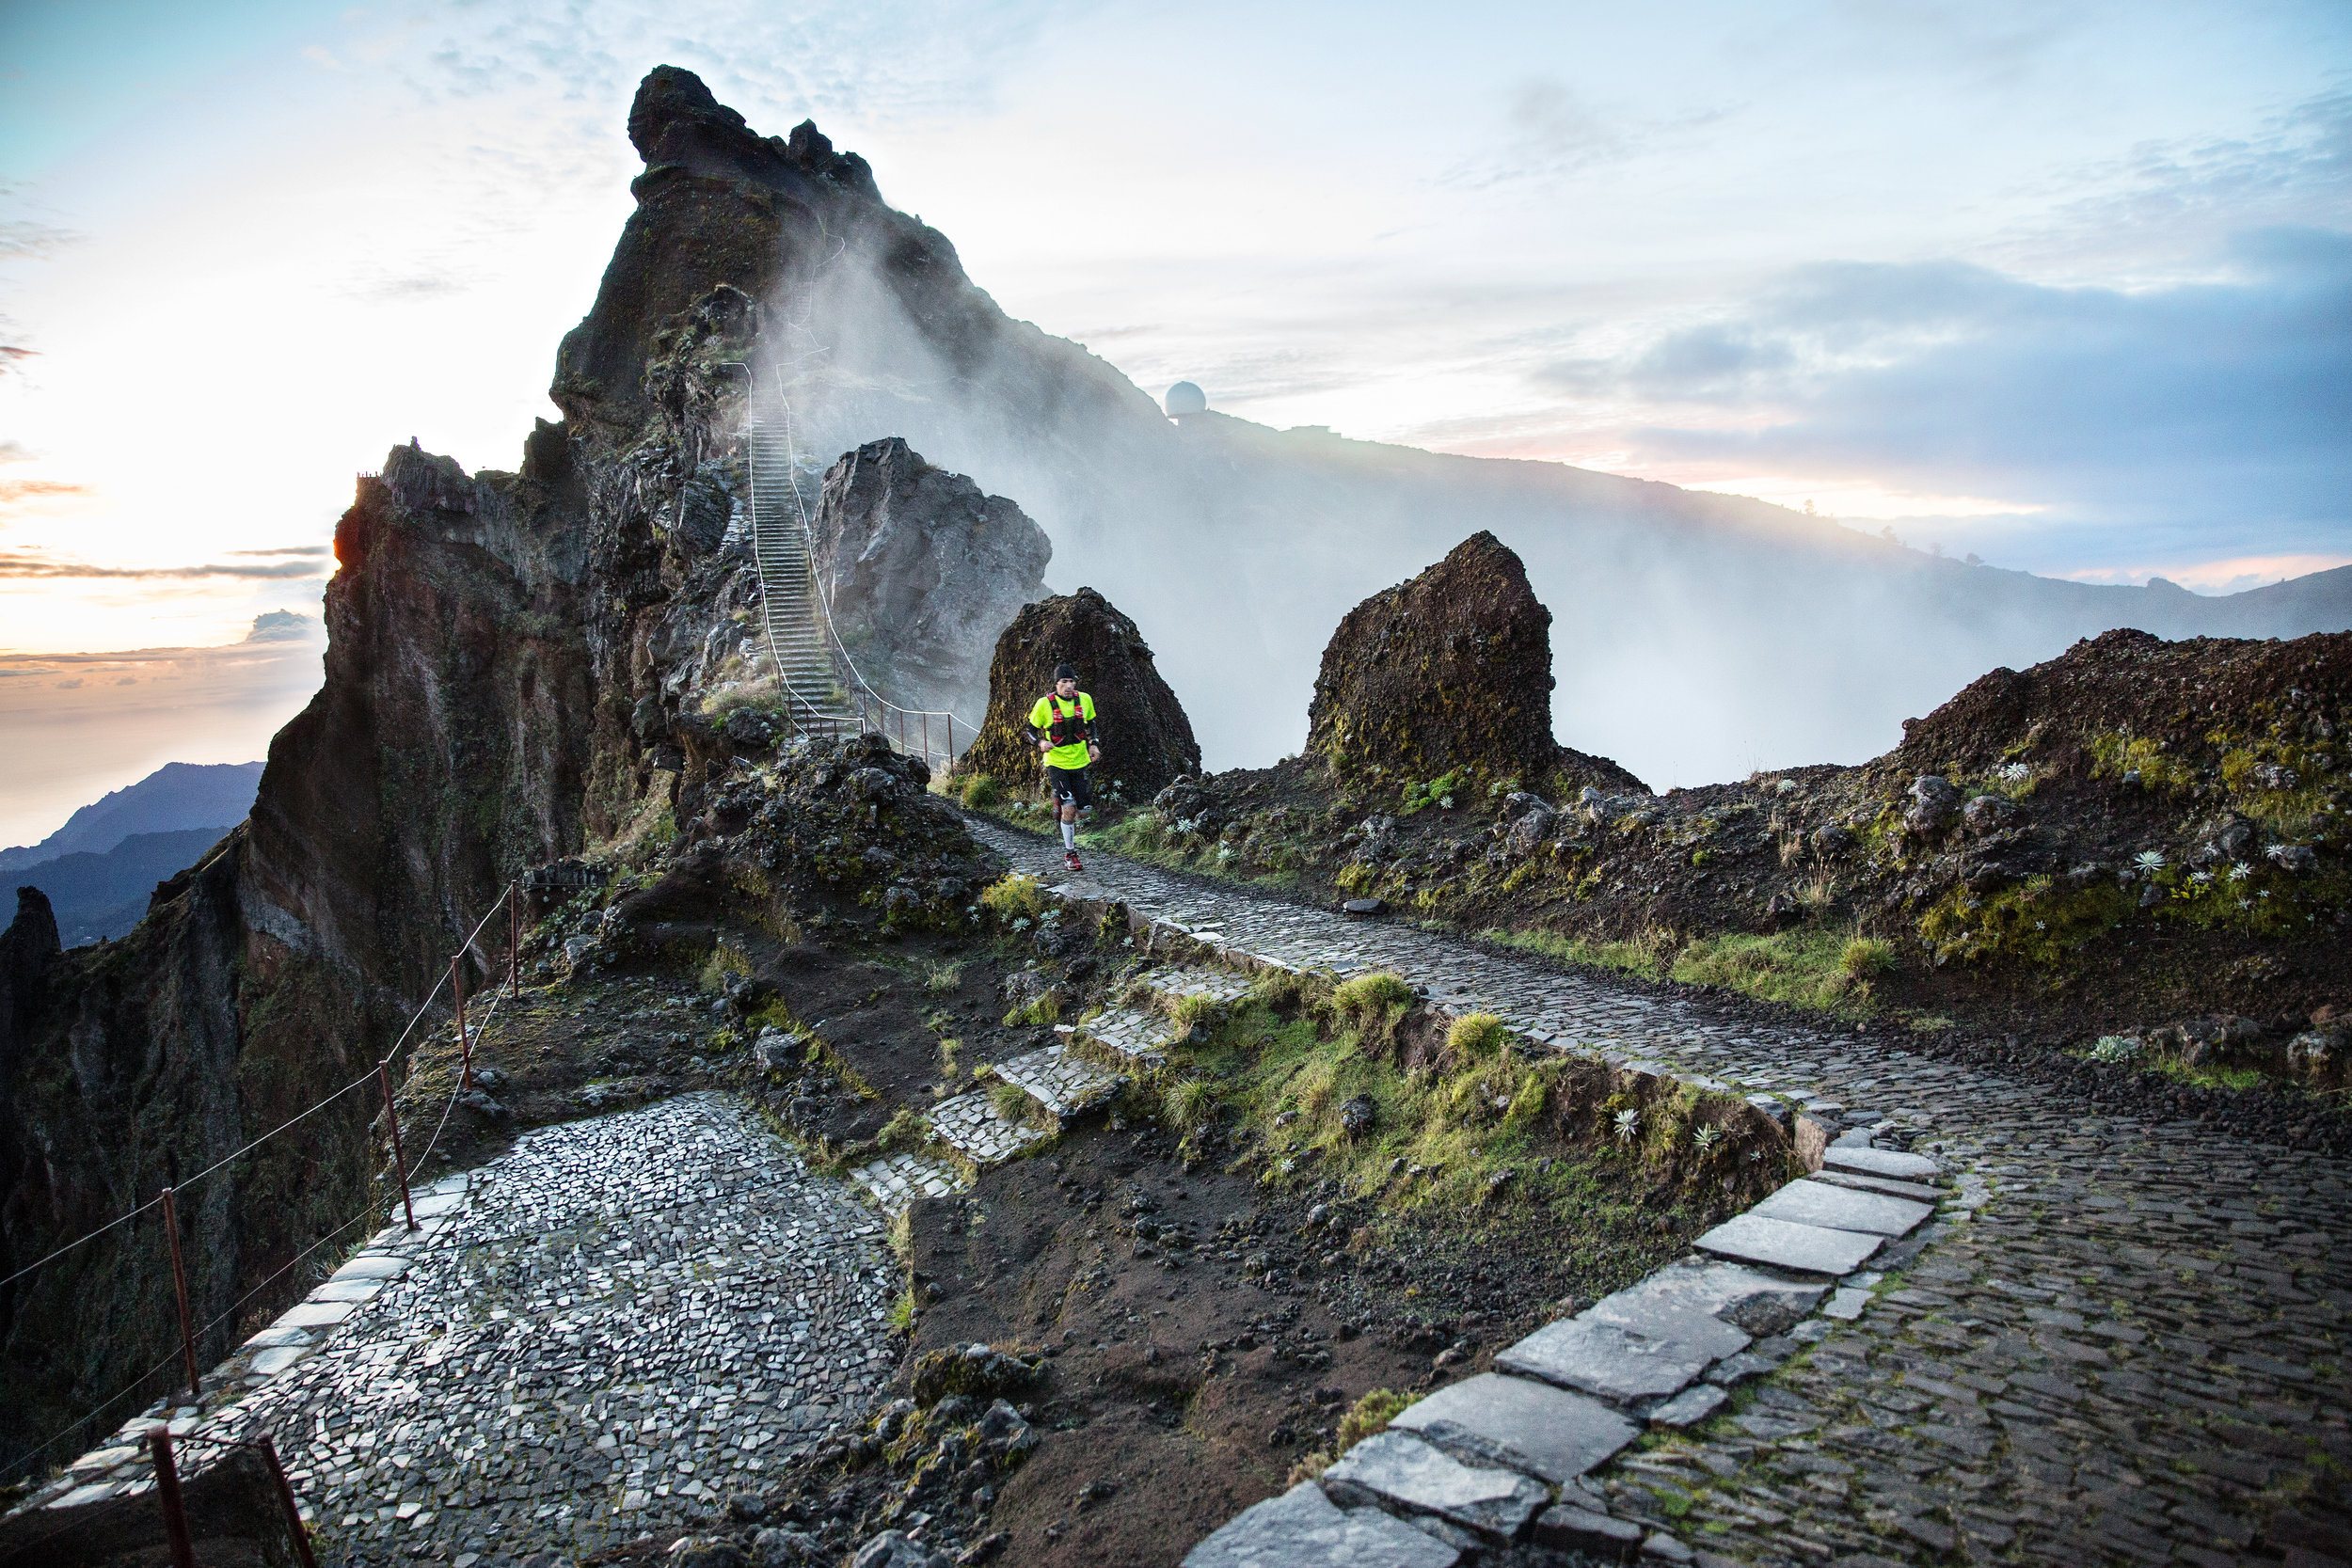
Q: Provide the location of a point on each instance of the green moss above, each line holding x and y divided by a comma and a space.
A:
2113, 756
2035, 921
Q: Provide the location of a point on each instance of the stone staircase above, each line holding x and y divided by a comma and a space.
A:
1079, 1074
793, 615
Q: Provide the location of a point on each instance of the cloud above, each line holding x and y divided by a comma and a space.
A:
16, 452
396, 291
312, 550
34, 563
282, 626
2217, 407
24, 240
14, 490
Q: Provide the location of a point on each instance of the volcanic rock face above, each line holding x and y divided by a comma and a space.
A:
1449, 672
1149, 738
923, 572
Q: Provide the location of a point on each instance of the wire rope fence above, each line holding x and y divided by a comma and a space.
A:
189, 1334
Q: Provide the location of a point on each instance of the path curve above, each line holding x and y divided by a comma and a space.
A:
2133, 1350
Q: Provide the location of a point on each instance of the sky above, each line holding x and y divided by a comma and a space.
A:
2067, 286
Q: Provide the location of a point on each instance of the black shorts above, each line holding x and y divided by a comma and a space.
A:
1069, 783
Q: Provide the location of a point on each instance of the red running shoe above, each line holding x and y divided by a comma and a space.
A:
1070, 859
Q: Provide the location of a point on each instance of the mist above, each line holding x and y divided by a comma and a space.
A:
1696, 637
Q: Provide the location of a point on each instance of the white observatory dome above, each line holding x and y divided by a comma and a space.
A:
1186, 397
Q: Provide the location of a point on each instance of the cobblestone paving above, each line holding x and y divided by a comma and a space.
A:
631, 1317
1138, 1037
980, 1131
1065, 1084
896, 1181
2126, 1342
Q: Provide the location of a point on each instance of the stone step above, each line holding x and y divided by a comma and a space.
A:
1138, 1037
897, 1179
979, 1130
1065, 1083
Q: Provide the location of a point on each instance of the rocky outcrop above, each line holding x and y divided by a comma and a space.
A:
2179, 707
923, 572
1450, 673
1150, 740
444, 752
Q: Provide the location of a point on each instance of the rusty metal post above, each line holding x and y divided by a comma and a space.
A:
295, 1527
514, 939
400, 1161
951, 740
179, 1289
927, 740
167, 1493
465, 1041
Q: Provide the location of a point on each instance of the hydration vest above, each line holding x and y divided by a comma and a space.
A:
1067, 728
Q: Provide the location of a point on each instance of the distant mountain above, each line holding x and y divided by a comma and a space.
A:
96, 896
174, 799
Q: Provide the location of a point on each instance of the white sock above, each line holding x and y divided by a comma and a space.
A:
1070, 836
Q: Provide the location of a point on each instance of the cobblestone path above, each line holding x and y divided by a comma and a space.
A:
2128, 1344
631, 1317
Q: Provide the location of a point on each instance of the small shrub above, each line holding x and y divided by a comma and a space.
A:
1864, 956
1188, 1103
902, 1312
1474, 1036
1012, 1101
982, 790
1013, 898
1369, 995
2116, 1048
943, 977
1370, 1417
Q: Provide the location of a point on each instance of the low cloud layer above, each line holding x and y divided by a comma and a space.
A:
2209, 415
43, 563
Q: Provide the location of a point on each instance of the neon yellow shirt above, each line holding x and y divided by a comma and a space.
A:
1072, 757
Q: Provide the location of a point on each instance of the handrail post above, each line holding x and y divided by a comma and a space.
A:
464, 1043
168, 1495
295, 1525
179, 1289
400, 1161
514, 939
951, 740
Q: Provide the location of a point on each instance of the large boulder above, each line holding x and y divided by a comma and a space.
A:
1450, 670
1150, 740
923, 571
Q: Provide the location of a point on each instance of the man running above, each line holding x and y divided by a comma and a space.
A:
1064, 726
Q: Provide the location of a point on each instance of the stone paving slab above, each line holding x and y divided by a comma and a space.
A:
979, 1130
1065, 1083
1882, 1161
1399, 1472
1303, 1528
1835, 1207
1912, 1190
1620, 1364
1785, 1245
1528, 1426
1697, 1300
